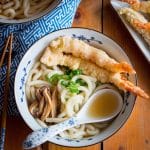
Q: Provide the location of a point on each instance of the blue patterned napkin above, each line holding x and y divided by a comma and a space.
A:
26, 34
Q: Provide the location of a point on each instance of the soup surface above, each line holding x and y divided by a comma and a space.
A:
104, 105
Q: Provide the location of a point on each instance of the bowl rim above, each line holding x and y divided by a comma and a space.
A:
30, 19
122, 50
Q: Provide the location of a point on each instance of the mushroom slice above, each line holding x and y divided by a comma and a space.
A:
40, 98
38, 94
54, 103
33, 108
41, 105
48, 104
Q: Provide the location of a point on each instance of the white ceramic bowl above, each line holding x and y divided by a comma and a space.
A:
32, 55
53, 5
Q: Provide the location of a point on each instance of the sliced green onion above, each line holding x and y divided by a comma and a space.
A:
81, 82
65, 83
54, 79
77, 72
73, 89
66, 80
73, 72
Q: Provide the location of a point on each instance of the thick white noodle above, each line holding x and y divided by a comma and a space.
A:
17, 4
38, 83
26, 7
55, 120
62, 114
70, 103
54, 72
65, 95
85, 91
92, 132
41, 123
8, 5
19, 9
9, 13
37, 76
89, 80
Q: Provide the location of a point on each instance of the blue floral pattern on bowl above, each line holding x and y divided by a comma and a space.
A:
83, 38
22, 82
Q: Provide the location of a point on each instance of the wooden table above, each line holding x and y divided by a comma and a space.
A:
135, 134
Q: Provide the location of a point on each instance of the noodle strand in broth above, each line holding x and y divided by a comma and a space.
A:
19, 9
70, 103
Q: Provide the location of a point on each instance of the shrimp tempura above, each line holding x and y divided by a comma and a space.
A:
51, 58
82, 50
138, 22
142, 6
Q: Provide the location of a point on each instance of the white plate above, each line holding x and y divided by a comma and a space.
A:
116, 4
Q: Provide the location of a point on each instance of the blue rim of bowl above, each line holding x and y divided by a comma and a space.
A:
123, 122
31, 19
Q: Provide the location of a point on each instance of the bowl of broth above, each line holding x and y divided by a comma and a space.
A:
55, 79
21, 11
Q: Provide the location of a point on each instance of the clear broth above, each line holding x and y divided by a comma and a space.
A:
104, 105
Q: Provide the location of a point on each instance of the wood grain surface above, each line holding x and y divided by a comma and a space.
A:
16, 132
135, 134
89, 15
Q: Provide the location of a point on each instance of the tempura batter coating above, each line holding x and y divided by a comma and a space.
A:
143, 6
81, 49
138, 22
50, 58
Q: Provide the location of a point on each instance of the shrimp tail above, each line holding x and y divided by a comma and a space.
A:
126, 85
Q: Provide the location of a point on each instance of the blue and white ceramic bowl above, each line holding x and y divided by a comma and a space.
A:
53, 5
33, 54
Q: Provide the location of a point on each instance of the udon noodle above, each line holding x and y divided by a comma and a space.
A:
70, 103
19, 9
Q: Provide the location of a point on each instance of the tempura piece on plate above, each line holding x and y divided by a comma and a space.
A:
143, 6
138, 22
50, 58
131, 2
82, 50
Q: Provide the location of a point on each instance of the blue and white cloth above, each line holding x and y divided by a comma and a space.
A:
26, 34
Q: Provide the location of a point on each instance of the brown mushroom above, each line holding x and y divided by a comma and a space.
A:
38, 93
34, 109
41, 105
48, 103
40, 98
54, 103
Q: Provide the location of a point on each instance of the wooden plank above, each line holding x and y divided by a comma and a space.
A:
16, 131
135, 134
56, 147
88, 15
